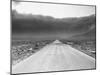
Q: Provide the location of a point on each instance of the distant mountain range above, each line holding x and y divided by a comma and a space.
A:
82, 27
89, 35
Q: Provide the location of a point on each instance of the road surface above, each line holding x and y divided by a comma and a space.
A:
55, 57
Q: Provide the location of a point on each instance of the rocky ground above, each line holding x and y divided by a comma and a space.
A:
20, 50
86, 46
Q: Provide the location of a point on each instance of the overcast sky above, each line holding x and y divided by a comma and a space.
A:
54, 10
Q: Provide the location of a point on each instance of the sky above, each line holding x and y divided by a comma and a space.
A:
54, 10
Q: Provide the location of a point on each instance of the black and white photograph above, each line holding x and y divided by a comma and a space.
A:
52, 37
